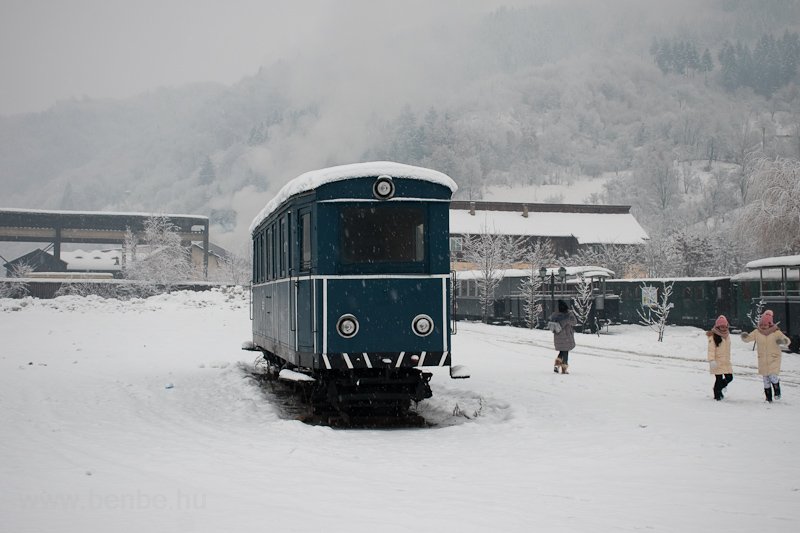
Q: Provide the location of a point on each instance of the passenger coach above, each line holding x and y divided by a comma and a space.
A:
351, 282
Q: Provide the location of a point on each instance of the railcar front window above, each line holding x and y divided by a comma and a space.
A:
382, 235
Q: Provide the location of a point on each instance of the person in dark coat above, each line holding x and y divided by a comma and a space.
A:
562, 324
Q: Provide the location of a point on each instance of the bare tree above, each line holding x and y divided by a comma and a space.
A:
234, 268
491, 253
655, 311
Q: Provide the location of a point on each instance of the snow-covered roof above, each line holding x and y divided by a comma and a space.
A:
92, 259
316, 178
668, 280
104, 213
782, 261
572, 272
587, 228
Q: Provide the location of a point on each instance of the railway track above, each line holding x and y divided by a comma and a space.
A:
787, 376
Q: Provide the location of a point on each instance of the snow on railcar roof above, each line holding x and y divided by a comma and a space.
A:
767, 274
771, 262
315, 178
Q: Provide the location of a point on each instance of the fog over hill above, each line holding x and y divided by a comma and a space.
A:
553, 92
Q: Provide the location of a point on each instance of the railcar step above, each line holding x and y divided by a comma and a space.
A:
249, 346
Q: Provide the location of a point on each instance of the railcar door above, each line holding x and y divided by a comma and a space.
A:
304, 284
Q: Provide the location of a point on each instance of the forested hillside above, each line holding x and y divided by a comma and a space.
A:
691, 107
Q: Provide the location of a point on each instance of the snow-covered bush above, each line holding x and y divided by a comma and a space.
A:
13, 289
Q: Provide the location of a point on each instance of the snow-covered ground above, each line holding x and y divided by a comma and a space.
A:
137, 416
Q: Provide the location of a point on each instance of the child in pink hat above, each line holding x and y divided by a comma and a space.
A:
768, 339
719, 356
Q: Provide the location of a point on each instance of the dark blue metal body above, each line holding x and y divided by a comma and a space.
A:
303, 282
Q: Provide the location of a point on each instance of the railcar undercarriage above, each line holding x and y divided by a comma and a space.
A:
377, 396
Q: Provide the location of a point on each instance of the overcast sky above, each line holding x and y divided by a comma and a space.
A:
59, 49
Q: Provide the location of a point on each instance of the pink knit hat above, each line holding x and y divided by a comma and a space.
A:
766, 319
721, 321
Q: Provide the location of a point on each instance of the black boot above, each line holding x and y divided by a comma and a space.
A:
777, 388
719, 384
768, 394
728, 379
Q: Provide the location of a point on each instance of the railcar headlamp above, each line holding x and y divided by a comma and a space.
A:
347, 326
422, 325
383, 189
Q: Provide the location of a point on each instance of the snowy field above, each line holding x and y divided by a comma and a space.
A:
137, 416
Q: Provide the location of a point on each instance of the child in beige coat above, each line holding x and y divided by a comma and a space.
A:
768, 339
719, 356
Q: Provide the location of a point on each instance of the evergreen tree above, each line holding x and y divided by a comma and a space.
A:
728, 66
207, 174
706, 64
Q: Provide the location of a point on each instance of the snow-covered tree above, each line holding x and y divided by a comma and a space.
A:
582, 305
654, 313
536, 255
691, 254
167, 260
620, 259
773, 217
491, 253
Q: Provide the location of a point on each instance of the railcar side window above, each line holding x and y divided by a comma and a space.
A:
273, 232
382, 235
284, 245
699, 293
270, 254
262, 257
305, 242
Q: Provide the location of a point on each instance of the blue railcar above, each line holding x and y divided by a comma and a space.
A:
351, 282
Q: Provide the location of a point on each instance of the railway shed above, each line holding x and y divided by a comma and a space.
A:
60, 227
570, 227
